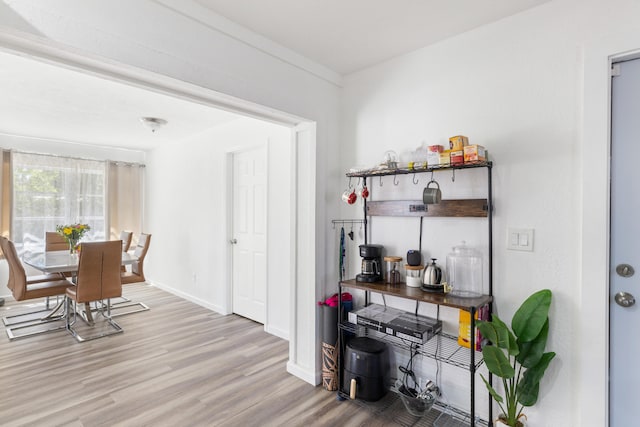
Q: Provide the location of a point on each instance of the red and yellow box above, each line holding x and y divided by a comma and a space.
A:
475, 153
457, 157
458, 142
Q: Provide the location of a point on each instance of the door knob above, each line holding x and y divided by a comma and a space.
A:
233, 241
625, 299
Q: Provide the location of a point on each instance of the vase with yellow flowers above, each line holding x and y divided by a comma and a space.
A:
72, 233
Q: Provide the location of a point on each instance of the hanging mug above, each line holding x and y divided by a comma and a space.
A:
349, 197
364, 192
431, 195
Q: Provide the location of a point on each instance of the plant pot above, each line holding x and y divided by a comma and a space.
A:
522, 422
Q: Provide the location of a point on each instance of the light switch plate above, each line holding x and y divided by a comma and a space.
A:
520, 239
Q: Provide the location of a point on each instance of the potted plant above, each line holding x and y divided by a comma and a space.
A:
518, 357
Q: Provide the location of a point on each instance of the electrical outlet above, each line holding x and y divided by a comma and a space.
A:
520, 239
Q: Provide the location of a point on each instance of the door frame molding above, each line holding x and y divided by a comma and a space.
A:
592, 311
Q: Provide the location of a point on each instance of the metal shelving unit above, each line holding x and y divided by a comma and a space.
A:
443, 347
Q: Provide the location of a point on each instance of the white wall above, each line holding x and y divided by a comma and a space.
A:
515, 87
188, 183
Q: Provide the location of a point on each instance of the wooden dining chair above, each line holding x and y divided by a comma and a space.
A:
53, 241
8, 252
136, 275
126, 237
98, 280
25, 316
27, 288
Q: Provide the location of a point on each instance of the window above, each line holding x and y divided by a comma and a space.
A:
48, 191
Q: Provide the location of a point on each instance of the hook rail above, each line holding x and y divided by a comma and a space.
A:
346, 221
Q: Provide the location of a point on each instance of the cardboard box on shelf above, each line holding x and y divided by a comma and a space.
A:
433, 158
458, 142
475, 153
445, 159
464, 327
457, 157
433, 155
395, 322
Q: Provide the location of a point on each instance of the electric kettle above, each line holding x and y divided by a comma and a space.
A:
433, 277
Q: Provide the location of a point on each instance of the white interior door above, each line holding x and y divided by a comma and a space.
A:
249, 234
624, 315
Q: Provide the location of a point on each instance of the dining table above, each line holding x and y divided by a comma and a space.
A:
65, 262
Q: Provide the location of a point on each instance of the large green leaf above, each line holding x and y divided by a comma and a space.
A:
528, 321
499, 334
527, 388
531, 352
528, 393
497, 363
492, 391
536, 372
488, 330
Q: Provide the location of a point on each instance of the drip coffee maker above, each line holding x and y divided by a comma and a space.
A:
371, 264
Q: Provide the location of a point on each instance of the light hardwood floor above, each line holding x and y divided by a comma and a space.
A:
176, 365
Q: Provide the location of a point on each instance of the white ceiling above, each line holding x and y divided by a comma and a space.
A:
349, 35
46, 101
42, 100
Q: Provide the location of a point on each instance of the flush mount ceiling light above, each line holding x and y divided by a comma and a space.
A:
153, 123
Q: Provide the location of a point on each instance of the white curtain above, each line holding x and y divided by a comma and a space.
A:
50, 191
125, 189
5, 193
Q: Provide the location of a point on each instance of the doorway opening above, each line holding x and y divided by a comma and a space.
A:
301, 228
259, 216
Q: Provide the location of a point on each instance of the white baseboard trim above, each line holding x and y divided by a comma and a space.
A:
189, 297
311, 377
280, 333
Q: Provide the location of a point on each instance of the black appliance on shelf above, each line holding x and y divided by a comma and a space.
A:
366, 369
371, 264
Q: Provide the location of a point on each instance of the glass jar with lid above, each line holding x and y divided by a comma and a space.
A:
392, 270
464, 270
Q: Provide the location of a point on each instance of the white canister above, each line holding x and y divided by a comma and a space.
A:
413, 275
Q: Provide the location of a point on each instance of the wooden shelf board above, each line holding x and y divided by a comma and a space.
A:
418, 294
471, 208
